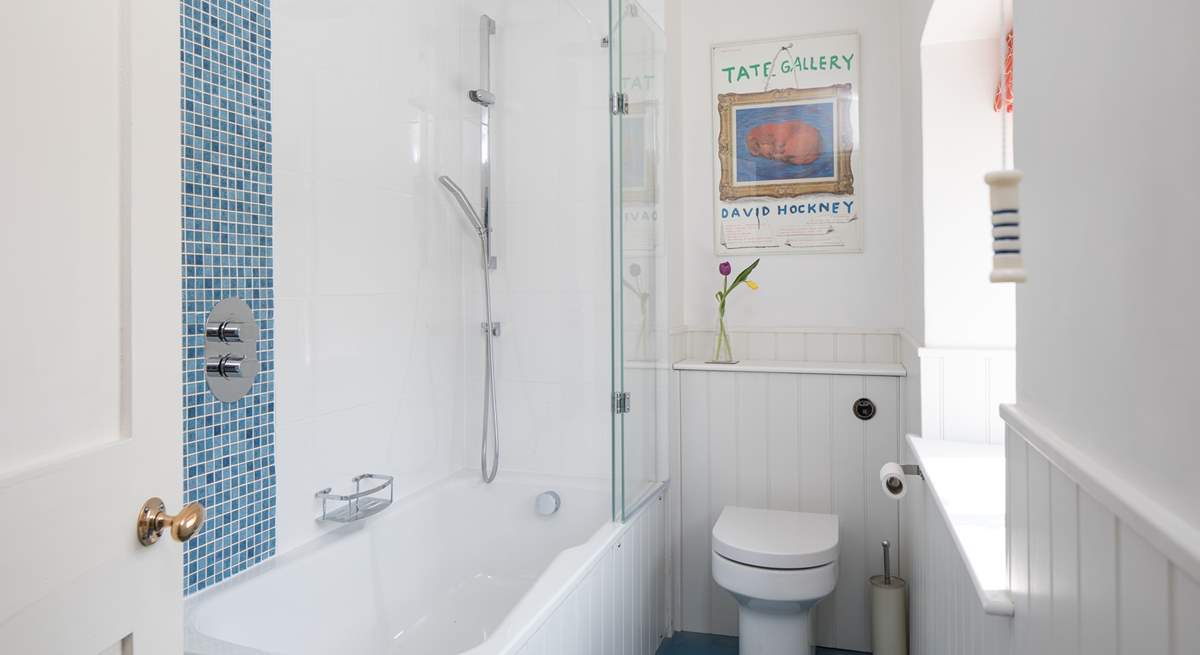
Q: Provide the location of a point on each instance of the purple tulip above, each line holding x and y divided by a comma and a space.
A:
725, 268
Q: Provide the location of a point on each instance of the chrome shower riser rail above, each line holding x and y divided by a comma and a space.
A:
484, 97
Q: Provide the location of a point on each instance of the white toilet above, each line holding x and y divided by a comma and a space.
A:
777, 565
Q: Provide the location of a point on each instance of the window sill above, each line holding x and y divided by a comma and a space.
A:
966, 481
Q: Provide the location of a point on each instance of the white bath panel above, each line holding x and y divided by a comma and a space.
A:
618, 607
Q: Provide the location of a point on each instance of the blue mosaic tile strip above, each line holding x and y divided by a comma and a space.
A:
228, 449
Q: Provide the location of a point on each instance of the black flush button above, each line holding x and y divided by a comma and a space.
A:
864, 409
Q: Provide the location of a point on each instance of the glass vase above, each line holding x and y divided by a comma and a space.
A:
724, 351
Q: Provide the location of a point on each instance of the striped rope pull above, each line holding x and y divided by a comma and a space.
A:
1007, 264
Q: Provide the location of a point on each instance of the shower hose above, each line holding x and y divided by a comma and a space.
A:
489, 379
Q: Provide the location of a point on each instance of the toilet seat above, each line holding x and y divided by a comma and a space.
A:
776, 539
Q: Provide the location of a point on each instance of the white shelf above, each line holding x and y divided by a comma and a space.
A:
812, 368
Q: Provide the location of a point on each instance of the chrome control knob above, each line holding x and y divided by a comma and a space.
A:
226, 366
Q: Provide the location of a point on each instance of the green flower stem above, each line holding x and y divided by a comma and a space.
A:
724, 353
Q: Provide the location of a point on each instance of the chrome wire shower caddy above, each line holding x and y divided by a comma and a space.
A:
360, 504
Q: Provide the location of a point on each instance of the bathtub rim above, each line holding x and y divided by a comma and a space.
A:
553, 586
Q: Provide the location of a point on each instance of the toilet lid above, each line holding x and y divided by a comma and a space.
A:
776, 539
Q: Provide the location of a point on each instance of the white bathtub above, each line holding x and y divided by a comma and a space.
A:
459, 567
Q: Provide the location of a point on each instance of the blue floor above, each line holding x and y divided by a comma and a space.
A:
696, 643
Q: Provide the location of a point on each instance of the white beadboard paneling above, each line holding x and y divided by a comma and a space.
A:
1084, 579
1038, 473
1143, 615
786, 441
882, 444
723, 469
1064, 562
1017, 490
1185, 628
815, 443
789, 346
783, 449
849, 600
881, 348
1097, 583
761, 345
799, 344
752, 456
850, 348
961, 391
694, 511
821, 347
617, 608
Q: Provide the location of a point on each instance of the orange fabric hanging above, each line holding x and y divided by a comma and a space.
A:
1004, 88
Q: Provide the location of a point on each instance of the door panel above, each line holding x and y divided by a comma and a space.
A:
89, 169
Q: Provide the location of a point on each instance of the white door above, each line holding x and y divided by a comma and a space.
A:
90, 325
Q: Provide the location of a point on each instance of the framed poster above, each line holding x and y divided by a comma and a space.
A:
787, 146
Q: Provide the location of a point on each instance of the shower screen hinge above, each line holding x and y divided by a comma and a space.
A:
619, 104
620, 402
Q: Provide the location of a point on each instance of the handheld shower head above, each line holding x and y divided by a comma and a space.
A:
463, 203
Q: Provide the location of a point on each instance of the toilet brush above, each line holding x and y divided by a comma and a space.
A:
889, 615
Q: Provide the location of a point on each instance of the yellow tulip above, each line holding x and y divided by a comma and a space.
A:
752, 284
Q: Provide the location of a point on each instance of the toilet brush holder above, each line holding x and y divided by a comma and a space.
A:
889, 611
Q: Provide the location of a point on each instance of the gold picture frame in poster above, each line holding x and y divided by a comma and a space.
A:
838, 178
639, 150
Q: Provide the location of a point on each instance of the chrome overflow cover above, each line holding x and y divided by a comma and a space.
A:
547, 503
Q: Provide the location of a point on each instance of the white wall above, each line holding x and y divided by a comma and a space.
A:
1107, 322
967, 324
913, 14
1106, 329
962, 139
814, 290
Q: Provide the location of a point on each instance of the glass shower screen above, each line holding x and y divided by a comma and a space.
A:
640, 358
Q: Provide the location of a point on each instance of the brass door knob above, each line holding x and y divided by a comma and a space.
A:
153, 519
